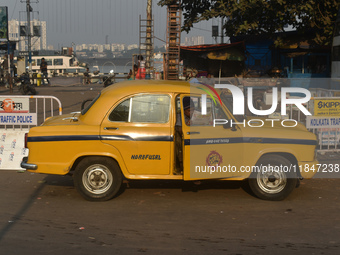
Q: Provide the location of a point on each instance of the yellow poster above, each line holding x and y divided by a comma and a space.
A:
329, 107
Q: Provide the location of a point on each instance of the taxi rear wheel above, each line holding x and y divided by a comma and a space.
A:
273, 179
97, 178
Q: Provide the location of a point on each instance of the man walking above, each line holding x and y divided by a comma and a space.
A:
43, 68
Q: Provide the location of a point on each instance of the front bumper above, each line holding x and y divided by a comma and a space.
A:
308, 168
26, 165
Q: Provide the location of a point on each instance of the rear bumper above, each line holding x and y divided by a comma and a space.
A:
26, 165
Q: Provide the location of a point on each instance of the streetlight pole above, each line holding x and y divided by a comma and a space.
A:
28, 11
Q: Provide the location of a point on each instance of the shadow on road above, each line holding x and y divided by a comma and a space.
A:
21, 211
185, 186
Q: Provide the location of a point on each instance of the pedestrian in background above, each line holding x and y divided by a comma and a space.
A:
87, 76
43, 68
130, 75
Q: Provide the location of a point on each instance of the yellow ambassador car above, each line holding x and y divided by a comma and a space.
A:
142, 130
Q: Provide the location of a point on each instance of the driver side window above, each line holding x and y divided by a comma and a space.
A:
213, 111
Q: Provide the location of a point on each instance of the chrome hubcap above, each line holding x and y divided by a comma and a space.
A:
272, 182
97, 179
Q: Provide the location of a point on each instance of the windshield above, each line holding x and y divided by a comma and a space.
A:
227, 100
84, 111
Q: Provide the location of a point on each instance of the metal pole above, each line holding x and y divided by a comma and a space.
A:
28, 10
9, 76
222, 35
148, 39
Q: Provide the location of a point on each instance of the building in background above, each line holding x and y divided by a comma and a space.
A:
295, 58
38, 32
219, 60
192, 41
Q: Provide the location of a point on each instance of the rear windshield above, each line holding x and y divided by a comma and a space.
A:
89, 105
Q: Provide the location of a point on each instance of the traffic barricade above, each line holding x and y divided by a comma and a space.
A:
17, 115
325, 122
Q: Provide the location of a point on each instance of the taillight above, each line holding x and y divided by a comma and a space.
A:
26, 135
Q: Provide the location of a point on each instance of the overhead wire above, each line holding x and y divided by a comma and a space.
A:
110, 14
132, 18
16, 1
56, 16
48, 15
78, 16
92, 17
118, 19
85, 15
70, 16
207, 30
66, 16
103, 31
96, 21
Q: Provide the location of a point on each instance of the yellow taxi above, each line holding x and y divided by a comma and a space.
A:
170, 130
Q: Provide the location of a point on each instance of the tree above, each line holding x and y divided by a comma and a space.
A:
264, 16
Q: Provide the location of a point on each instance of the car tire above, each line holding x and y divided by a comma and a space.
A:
97, 178
273, 184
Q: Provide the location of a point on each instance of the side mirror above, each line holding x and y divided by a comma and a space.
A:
228, 126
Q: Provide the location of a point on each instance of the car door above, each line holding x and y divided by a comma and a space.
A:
139, 127
208, 151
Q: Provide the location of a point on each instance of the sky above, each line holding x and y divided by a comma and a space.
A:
90, 21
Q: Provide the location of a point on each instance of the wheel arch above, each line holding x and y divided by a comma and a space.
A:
286, 155
80, 158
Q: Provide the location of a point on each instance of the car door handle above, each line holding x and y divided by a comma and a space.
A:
110, 128
193, 133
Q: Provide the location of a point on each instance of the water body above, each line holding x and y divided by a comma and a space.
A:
118, 65
105, 65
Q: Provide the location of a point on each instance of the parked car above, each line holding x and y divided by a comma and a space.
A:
140, 130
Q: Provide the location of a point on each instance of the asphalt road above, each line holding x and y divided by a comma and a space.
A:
43, 214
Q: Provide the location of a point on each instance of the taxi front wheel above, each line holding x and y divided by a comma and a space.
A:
97, 178
272, 178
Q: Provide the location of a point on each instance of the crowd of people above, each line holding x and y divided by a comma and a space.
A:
8, 71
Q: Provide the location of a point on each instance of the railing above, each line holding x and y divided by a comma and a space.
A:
39, 106
17, 115
328, 134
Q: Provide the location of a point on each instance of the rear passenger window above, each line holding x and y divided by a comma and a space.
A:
143, 109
